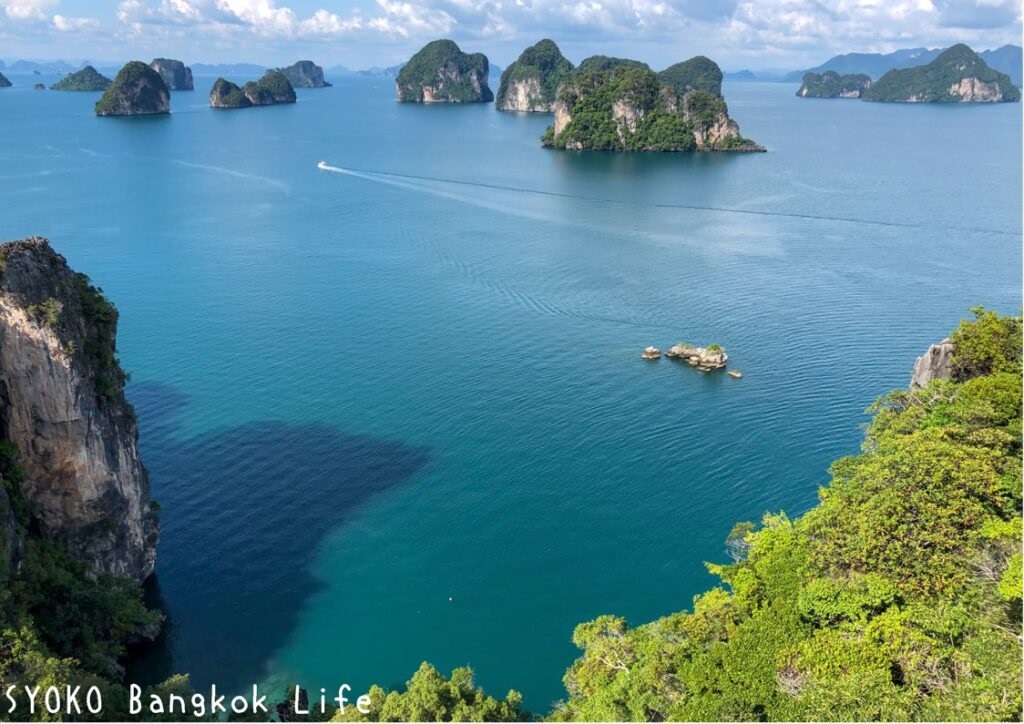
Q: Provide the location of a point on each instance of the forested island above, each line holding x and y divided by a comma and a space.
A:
4, 83
305, 74
613, 104
87, 79
832, 85
441, 73
272, 89
957, 75
137, 90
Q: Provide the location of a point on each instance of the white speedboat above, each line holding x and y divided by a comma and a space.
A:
322, 165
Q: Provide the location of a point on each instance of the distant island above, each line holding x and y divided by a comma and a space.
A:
4, 83
87, 79
957, 75
530, 83
615, 104
832, 85
176, 75
1006, 59
305, 74
441, 73
272, 89
137, 90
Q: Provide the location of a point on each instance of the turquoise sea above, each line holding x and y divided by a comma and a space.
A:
397, 412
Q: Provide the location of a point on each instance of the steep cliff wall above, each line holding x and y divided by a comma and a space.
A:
62, 403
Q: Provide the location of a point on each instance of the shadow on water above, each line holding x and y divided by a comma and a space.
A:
242, 512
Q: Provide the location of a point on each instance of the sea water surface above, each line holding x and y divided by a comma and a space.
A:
397, 411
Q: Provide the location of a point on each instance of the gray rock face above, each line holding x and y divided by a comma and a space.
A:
176, 75
62, 403
935, 364
305, 74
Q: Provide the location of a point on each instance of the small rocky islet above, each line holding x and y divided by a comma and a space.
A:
706, 359
832, 85
4, 83
176, 75
305, 74
86, 79
273, 88
137, 90
441, 73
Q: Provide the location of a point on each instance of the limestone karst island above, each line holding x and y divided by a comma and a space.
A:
511, 362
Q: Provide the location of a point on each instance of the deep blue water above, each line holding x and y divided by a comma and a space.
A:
399, 413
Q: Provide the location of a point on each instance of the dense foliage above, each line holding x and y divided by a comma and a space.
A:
453, 75
141, 84
430, 696
699, 73
273, 87
87, 79
601, 63
542, 62
832, 85
932, 82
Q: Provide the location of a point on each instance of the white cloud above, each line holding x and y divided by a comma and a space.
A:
69, 25
33, 10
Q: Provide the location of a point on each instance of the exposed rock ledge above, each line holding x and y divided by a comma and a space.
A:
62, 403
935, 364
707, 358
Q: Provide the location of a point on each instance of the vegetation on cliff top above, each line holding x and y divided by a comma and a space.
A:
87, 79
832, 85
272, 88
542, 61
698, 73
897, 597
441, 65
225, 94
932, 82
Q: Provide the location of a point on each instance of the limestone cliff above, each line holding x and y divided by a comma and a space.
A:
957, 75
441, 73
305, 74
629, 108
62, 403
935, 364
4, 83
531, 82
176, 75
137, 90
832, 85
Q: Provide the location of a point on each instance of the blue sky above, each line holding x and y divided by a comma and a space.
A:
359, 33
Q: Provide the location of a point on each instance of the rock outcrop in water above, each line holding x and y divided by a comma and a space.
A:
441, 73
935, 364
4, 83
832, 85
176, 75
273, 88
957, 75
625, 106
712, 357
62, 403
137, 90
86, 79
305, 74
530, 83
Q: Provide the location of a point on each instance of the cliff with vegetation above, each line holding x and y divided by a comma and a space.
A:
531, 82
305, 74
272, 89
957, 75
626, 107
176, 75
696, 74
87, 79
441, 73
77, 528
897, 597
137, 90
832, 85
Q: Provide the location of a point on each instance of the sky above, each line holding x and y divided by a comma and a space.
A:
756, 34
